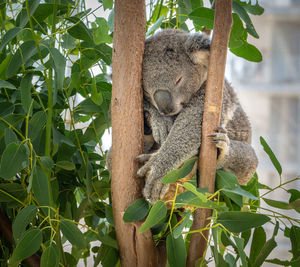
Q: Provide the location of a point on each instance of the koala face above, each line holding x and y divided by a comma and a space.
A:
174, 68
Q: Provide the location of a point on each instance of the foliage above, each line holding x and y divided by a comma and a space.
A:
55, 91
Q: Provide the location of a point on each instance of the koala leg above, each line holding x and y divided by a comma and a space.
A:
239, 159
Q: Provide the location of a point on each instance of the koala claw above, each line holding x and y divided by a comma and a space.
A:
143, 158
221, 141
154, 190
143, 170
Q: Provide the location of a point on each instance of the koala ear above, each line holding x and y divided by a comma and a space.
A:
197, 47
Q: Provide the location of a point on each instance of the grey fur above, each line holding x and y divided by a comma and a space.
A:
174, 74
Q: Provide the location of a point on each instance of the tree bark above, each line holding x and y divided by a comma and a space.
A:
127, 130
211, 119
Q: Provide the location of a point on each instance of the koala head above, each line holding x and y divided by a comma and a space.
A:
174, 68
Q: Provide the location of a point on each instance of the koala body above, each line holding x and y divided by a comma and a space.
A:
174, 79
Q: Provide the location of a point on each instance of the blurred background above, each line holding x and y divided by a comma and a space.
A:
270, 94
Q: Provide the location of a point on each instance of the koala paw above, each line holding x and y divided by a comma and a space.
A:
154, 189
221, 140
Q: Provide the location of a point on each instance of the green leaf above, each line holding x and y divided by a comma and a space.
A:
295, 241
136, 211
25, 87
73, 234
247, 51
23, 54
59, 67
41, 187
277, 204
50, 256
110, 21
265, 252
203, 17
199, 200
22, 18
176, 251
47, 162
240, 10
238, 34
66, 165
101, 32
295, 194
279, 262
23, 218
12, 189
182, 172
107, 240
10, 136
258, 241
107, 4
156, 214
29, 244
68, 41
88, 107
240, 249
96, 127
36, 124
79, 30
3, 66
8, 36
237, 221
13, 160
179, 228
155, 26
271, 155
5, 84
95, 95
252, 9
267, 248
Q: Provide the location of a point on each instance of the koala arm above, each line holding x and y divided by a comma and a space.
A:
182, 143
160, 125
239, 159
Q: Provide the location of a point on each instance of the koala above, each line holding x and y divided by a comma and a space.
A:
174, 79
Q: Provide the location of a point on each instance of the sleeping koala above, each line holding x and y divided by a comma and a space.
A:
174, 78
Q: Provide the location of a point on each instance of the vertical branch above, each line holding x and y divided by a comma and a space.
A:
211, 119
127, 129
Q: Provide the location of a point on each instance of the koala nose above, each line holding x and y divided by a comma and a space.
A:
163, 101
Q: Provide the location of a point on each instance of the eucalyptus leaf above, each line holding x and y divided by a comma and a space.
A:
50, 256
8, 36
73, 234
258, 241
247, 51
181, 172
237, 221
176, 251
271, 155
14, 159
156, 214
29, 244
136, 211
203, 16
24, 217
5, 84
25, 88
79, 30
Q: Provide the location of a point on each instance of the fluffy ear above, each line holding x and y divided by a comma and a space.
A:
197, 47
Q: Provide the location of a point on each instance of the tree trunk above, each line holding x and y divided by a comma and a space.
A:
211, 119
127, 130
